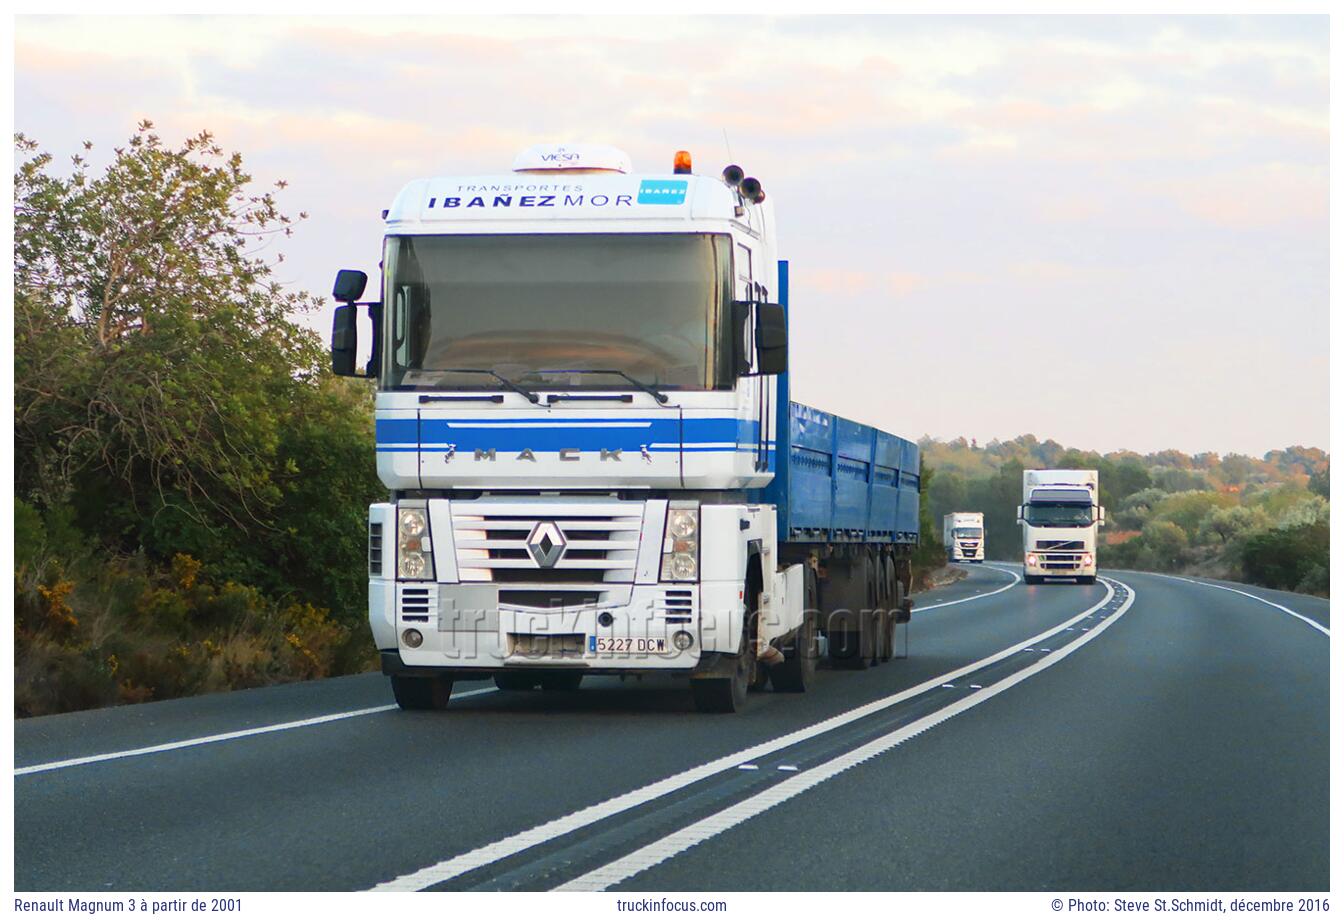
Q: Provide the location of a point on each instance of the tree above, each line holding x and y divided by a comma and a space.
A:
1223, 525
1164, 546
151, 349
1320, 482
163, 388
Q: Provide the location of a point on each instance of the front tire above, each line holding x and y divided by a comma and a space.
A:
422, 692
1032, 579
1087, 579
727, 694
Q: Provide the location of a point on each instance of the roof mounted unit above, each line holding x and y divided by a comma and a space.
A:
572, 158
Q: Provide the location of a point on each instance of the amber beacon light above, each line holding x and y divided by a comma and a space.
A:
681, 163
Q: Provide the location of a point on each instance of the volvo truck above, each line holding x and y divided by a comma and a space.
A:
592, 461
964, 536
1060, 513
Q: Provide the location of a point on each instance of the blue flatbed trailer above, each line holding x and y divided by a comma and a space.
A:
839, 481
836, 480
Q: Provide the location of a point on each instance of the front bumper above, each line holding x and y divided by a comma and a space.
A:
1060, 567
463, 631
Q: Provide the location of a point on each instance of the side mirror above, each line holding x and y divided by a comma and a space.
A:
1020, 518
769, 343
1101, 516
344, 339
349, 285
772, 339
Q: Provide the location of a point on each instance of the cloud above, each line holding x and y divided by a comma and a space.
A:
944, 185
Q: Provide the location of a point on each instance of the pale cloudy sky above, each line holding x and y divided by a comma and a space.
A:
1112, 231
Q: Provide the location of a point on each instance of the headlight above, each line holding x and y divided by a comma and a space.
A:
414, 553
683, 523
681, 544
1087, 559
1031, 558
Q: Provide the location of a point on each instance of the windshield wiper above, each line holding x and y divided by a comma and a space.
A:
531, 397
646, 387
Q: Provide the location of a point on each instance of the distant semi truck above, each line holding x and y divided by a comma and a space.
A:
1060, 514
964, 536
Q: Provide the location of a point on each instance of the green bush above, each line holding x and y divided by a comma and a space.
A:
1290, 557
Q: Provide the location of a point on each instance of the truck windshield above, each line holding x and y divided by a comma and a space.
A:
651, 305
968, 533
1047, 514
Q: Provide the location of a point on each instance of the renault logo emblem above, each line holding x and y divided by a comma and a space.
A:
546, 544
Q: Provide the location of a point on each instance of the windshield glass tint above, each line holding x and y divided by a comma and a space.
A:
651, 305
968, 533
1058, 515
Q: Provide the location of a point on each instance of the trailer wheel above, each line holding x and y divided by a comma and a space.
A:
799, 669
422, 692
564, 681
518, 680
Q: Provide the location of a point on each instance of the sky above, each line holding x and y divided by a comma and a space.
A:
1112, 231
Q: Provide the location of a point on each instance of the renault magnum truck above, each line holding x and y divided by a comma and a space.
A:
594, 467
1060, 514
964, 536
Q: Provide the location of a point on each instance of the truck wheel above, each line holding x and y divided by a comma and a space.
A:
1087, 579
519, 680
726, 694
1031, 579
799, 669
422, 692
852, 648
562, 681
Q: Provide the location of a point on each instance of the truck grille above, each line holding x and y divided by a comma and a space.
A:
600, 545
1059, 544
1060, 560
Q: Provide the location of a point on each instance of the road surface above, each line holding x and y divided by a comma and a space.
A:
1144, 733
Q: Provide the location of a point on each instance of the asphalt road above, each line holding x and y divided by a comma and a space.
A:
1144, 733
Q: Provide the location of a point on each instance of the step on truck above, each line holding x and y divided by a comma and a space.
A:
1060, 513
583, 419
964, 536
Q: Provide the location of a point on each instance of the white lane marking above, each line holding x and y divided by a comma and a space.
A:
212, 739
619, 870
1292, 613
558, 827
977, 596
747, 766
789, 768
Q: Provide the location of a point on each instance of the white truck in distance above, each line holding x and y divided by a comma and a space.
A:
964, 536
1060, 514
594, 468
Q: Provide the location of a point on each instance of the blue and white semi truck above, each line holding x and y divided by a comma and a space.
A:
583, 419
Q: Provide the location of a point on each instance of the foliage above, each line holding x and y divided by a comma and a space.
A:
169, 406
1294, 558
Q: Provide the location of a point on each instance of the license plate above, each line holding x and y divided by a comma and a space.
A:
621, 645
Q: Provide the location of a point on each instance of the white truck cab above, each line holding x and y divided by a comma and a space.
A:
964, 536
1060, 514
578, 404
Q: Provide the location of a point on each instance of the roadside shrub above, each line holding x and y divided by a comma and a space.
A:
1286, 558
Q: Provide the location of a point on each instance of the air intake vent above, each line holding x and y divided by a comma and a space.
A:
376, 548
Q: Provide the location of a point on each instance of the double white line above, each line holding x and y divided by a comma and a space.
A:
702, 830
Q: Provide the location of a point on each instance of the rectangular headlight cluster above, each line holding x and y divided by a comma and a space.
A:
681, 542
415, 557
